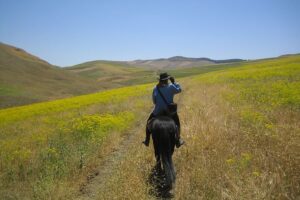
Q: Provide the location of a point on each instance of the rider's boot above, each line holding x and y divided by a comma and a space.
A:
178, 140
147, 140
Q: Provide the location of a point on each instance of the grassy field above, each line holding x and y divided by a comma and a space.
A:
44, 146
242, 140
240, 124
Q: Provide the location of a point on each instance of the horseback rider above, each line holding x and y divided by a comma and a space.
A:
162, 96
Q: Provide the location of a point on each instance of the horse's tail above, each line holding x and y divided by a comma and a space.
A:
166, 156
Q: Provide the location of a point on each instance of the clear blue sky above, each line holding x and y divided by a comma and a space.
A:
67, 32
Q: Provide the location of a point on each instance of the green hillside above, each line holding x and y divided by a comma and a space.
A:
25, 79
113, 73
240, 124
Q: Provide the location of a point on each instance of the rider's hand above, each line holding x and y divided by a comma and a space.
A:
172, 79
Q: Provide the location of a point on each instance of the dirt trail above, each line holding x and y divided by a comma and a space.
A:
99, 178
131, 143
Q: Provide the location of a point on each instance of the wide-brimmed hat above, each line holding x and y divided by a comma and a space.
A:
163, 76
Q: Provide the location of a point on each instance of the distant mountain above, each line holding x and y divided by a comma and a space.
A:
179, 62
25, 78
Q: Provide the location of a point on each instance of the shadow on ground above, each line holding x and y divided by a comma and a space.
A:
157, 180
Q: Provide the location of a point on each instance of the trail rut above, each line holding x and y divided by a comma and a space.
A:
99, 177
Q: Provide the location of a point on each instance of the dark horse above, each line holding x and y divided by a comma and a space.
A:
163, 129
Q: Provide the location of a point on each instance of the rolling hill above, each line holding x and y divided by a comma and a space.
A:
113, 74
25, 78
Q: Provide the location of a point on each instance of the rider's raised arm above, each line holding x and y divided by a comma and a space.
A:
175, 87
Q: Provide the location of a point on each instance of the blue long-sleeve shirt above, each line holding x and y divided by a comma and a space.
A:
168, 91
